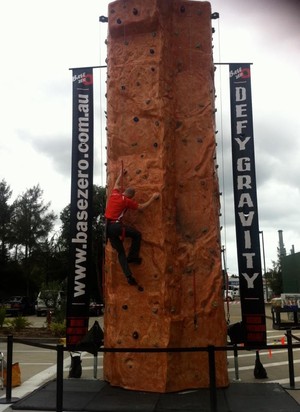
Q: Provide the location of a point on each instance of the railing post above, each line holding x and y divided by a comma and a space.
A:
291, 358
8, 398
59, 378
9, 361
236, 363
212, 378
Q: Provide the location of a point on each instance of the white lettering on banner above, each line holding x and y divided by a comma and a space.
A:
250, 281
244, 186
242, 144
244, 182
243, 164
240, 94
245, 200
247, 239
80, 272
82, 204
240, 125
249, 260
246, 220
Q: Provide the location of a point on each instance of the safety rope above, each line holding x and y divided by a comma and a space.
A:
223, 203
222, 141
226, 284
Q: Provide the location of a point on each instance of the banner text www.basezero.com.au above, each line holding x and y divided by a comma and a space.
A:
81, 206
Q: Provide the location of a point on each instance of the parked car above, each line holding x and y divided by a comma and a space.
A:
19, 306
48, 300
228, 295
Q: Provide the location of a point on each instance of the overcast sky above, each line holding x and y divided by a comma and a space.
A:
41, 40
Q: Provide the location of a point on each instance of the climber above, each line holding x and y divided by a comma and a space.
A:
116, 231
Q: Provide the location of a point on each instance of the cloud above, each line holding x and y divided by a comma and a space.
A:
42, 40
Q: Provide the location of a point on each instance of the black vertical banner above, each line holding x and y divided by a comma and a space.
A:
81, 206
245, 201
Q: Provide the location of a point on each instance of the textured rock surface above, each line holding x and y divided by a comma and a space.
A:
160, 93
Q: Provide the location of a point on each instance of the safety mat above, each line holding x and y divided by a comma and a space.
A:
95, 395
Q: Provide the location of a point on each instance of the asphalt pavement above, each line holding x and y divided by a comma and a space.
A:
38, 365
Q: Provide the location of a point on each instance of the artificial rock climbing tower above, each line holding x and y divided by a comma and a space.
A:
160, 107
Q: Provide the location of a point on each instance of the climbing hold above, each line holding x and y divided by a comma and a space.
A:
135, 335
154, 34
119, 21
182, 9
153, 69
215, 16
103, 19
112, 11
135, 11
125, 307
152, 51
155, 145
136, 119
123, 87
157, 123
148, 101
138, 83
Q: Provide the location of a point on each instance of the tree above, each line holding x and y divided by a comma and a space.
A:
274, 278
31, 223
65, 232
99, 202
6, 212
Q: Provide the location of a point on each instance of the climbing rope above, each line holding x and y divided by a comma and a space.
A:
222, 141
223, 203
226, 283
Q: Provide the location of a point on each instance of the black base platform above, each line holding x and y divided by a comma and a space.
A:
95, 395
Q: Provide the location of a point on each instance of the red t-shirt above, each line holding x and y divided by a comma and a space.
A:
117, 205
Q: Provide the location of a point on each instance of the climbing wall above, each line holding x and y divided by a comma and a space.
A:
160, 107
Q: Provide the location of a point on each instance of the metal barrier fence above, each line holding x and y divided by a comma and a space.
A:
211, 351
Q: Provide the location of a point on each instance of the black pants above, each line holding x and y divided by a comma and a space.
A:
114, 233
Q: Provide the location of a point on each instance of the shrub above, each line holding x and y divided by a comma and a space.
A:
2, 316
18, 323
58, 329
